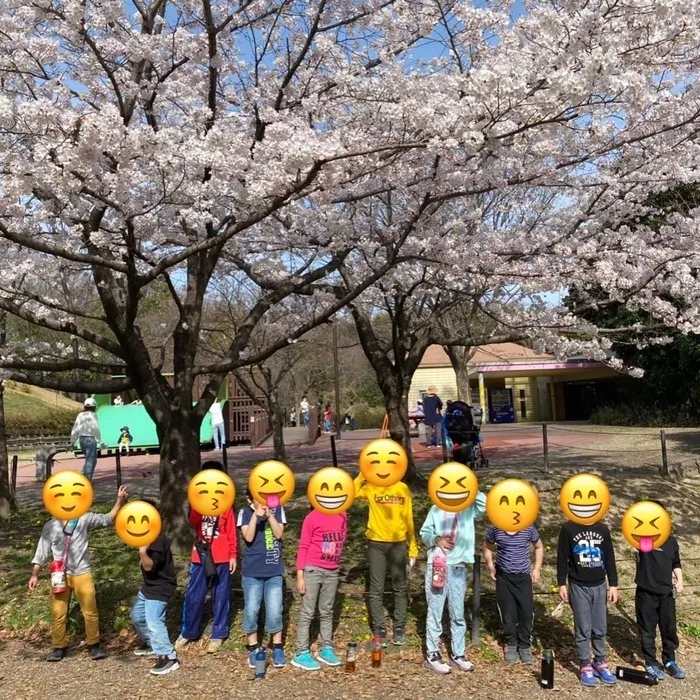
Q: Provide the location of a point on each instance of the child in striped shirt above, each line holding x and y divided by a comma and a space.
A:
514, 578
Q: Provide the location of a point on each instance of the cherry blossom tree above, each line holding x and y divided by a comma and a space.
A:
308, 148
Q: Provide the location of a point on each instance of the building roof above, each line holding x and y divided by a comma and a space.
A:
485, 355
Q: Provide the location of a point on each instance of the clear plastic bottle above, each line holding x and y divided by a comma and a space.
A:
351, 658
377, 652
260, 663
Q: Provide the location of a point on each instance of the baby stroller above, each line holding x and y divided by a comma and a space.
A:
461, 435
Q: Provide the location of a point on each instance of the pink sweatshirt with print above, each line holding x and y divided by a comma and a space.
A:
321, 541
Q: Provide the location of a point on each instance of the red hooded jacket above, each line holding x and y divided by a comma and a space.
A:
224, 545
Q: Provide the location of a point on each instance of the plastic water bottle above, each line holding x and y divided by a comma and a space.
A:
260, 663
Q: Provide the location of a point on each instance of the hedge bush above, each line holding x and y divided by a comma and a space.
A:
27, 416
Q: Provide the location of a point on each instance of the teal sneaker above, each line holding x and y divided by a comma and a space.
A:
328, 657
305, 661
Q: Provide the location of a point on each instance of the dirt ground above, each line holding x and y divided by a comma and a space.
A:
25, 676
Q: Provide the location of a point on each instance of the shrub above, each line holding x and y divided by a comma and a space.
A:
369, 417
643, 416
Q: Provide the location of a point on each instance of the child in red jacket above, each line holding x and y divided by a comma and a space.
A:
220, 535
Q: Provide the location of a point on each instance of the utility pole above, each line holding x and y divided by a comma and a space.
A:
336, 372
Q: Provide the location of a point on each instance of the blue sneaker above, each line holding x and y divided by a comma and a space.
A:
328, 657
655, 672
602, 672
278, 660
305, 661
587, 677
251, 658
674, 670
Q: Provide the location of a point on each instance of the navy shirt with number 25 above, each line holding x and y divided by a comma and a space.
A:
262, 558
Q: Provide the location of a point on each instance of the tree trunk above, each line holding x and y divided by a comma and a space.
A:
459, 359
5, 496
180, 460
277, 415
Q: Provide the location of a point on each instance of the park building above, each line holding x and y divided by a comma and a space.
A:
515, 384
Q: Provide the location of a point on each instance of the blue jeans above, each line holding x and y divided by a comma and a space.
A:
255, 590
305, 418
454, 592
148, 617
328, 426
196, 594
88, 445
219, 435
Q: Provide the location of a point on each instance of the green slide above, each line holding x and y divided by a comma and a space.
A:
143, 430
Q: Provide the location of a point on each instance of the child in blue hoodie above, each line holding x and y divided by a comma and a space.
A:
450, 535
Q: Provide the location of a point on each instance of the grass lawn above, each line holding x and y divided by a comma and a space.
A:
118, 578
27, 415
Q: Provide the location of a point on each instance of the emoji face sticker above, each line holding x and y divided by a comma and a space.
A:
383, 462
646, 526
137, 524
67, 495
584, 499
452, 487
272, 483
512, 505
211, 492
331, 490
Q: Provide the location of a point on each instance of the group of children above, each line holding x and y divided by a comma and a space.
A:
586, 581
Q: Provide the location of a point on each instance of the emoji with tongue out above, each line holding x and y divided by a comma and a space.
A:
211, 492
331, 490
272, 483
646, 526
584, 499
452, 487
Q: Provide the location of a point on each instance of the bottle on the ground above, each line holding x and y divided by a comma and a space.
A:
260, 663
351, 657
547, 677
377, 652
634, 675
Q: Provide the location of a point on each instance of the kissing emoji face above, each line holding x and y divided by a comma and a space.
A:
584, 499
646, 526
512, 505
67, 495
211, 492
272, 483
452, 487
137, 524
383, 462
331, 490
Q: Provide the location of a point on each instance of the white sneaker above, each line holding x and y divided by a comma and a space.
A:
435, 663
462, 663
180, 642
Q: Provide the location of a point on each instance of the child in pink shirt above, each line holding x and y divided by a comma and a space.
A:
318, 564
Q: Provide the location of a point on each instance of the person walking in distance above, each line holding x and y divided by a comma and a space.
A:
305, 411
217, 425
86, 432
432, 406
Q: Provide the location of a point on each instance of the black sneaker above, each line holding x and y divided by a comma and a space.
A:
97, 652
56, 655
164, 665
399, 639
144, 650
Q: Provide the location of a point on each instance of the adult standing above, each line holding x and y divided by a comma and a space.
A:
432, 406
305, 411
217, 425
86, 432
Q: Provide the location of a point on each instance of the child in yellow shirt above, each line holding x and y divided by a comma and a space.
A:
390, 534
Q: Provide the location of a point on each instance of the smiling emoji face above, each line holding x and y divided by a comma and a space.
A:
453, 487
211, 492
67, 495
271, 483
584, 499
512, 505
137, 524
646, 526
383, 462
331, 490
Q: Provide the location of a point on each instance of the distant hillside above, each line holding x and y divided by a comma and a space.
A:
38, 413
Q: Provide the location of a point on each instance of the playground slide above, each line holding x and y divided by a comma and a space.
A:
143, 430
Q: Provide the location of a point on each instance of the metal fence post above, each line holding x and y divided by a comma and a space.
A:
334, 454
13, 476
476, 600
664, 454
224, 456
118, 458
545, 447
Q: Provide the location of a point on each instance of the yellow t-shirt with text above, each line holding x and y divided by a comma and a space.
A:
390, 513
